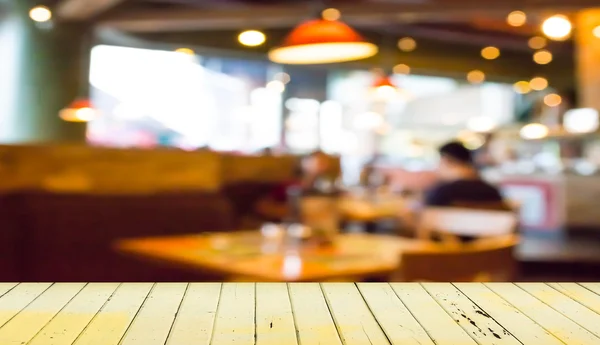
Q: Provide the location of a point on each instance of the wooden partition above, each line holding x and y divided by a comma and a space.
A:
133, 171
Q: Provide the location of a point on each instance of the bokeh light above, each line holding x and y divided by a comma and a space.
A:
407, 44
516, 18
542, 57
476, 77
522, 87
282, 77
557, 27
252, 38
490, 53
331, 14
185, 51
537, 42
552, 100
538, 83
534, 131
596, 31
401, 69
40, 14
276, 85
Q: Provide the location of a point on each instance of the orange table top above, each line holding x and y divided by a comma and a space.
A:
247, 255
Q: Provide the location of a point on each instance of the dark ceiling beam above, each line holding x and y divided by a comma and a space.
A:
282, 16
82, 10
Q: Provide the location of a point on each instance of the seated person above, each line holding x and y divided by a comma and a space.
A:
274, 207
460, 184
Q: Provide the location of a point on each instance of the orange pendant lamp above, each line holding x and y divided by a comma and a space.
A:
384, 87
80, 110
321, 41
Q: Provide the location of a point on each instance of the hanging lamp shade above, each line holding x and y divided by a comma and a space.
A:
384, 88
80, 110
383, 80
322, 41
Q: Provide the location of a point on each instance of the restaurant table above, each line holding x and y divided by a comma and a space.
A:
247, 255
294, 313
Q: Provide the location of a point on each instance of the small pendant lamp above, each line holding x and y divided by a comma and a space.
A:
322, 41
80, 110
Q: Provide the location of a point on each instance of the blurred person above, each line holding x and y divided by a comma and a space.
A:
460, 183
310, 171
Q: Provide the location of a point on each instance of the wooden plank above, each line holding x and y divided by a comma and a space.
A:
234, 323
355, 323
580, 294
442, 328
565, 305
196, 316
6, 287
559, 325
12, 302
594, 287
25, 325
70, 321
274, 319
521, 326
392, 315
311, 315
475, 321
111, 323
153, 323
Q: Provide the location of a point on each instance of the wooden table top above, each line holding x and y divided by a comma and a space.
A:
246, 255
294, 313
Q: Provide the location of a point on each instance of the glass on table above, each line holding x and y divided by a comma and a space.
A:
272, 237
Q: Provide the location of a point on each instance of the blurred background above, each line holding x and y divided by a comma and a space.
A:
125, 119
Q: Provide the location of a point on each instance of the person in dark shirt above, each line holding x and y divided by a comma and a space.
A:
461, 185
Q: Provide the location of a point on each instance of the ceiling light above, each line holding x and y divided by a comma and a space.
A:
552, 100
584, 120
401, 69
557, 27
80, 110
537, 42
534, 131
476, 77
40, 14
252, 38
407, 44
384, 88
522, 87
542, 57
322, 41
516, 18
490, 53
538, 83
331, 14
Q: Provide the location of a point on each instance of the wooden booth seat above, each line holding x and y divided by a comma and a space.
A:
68, 237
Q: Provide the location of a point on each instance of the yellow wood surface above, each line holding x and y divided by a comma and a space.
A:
298, 313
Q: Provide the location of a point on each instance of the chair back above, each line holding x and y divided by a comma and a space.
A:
467, 222
485, 260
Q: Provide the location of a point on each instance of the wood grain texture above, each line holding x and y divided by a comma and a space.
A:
580, 294
355, 323
440, 326
274, 319
234, 323
559, 325
314, 323
111, 323
298, 314
475, 321
196, 316
392, 315
518, 324
565, 305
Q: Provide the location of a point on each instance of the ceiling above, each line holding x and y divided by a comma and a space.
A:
446, 24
